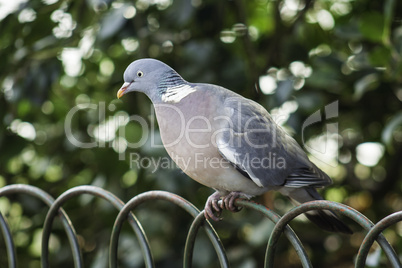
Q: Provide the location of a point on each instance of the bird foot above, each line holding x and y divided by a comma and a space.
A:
212, 206
228, 202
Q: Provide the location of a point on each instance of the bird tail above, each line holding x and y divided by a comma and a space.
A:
325, 219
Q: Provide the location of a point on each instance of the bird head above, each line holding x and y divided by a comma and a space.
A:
149, 76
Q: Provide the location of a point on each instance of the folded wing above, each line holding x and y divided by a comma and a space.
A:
261, 150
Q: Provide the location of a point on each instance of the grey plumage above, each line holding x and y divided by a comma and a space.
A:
255, 155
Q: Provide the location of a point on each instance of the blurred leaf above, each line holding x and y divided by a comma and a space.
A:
390, 127
24, 107
366, 83
263, 18
389, 8
283, 91
270, 36
309, 101
380, 56
373, 259
371, 25
112, 22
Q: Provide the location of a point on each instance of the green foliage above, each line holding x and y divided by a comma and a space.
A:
63, 61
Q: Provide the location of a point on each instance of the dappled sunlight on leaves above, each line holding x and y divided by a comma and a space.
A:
61, 125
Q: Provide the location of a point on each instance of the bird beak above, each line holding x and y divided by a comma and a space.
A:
122, 90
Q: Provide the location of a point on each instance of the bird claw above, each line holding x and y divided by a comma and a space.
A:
212, 206
213, 209
229, 200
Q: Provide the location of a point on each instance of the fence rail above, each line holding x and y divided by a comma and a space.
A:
126, 214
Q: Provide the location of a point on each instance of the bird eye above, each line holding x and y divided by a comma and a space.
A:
140, 74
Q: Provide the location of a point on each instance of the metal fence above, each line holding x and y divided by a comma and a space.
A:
125, 214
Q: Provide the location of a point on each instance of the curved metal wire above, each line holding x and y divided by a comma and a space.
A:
48, 200
337, 207
8, 240
191, 237
199, 221
172, 198
99, 192
289, 233
375, 234
281, 226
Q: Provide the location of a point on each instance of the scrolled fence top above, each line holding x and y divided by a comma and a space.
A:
126, 211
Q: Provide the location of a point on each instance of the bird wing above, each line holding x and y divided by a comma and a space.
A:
261, 150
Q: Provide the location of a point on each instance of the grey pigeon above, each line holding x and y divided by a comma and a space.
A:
227, 142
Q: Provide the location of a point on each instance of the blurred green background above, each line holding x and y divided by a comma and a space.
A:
62, 63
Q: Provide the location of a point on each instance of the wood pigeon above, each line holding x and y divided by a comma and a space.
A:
227, 142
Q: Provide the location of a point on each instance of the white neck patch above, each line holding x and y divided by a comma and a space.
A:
177, 93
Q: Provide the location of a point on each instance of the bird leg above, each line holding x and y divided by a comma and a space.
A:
228, 202
211, 205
